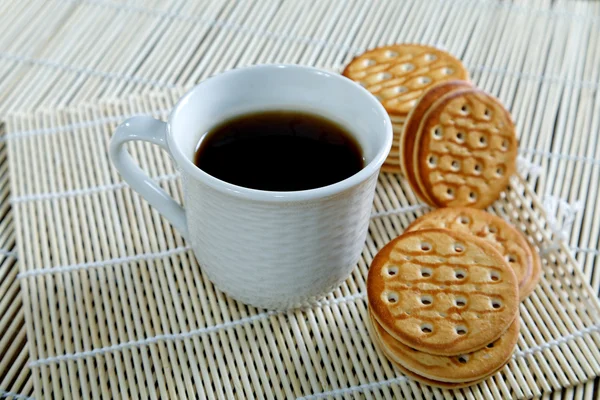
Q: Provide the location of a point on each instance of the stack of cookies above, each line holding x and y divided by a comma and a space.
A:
398, 76
443, 297
455, 143
459, 146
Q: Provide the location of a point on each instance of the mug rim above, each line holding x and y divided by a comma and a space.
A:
280, 196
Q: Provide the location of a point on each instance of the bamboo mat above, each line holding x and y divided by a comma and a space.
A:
15, 376
540, 57
116, 304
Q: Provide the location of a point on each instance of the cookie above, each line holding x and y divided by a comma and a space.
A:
502, 235
440, 384
417, 377
399, 74
397, 129
411, 127
465, 150
536, 272
397, 119
464, 368
392, 162
390, 168
442, 292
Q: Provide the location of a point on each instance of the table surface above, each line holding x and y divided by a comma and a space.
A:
539, 57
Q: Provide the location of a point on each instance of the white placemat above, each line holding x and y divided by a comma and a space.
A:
116, 304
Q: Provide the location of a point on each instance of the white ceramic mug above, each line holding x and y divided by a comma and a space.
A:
269, 249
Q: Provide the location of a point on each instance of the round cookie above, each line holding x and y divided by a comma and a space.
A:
503, 236
442, 292
411, 127
419, 378
467, 150
464, 368
440, 384
399, 74
534, 278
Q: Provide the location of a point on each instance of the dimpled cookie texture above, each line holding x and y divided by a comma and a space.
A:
442, 292
467, 150
463, 368
411, 126
503, 236
399, 74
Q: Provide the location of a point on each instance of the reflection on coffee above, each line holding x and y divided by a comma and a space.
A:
279, 151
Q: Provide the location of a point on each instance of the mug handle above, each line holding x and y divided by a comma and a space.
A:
151, 130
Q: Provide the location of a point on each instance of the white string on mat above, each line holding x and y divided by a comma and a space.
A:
8, 253
249, 320
86, 191
594, 252
6, 393
104, 263
557, 208
77, 126
86, 71
527, 168
182, 335
559, 156
557, 342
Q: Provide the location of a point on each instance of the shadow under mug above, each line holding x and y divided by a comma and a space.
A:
273, 250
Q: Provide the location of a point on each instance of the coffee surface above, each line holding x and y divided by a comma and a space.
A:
279, 151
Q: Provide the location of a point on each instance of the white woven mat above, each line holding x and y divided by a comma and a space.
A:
15, 376
539, 56
116, 304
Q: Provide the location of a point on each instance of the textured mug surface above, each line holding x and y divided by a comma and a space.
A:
269, 249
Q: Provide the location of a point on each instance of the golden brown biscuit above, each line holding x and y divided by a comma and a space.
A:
397, 119
399, 74
502, 235
442, 292
440, 384
464, 368
392, 162
467, 150
534, 277
419, 378
390, 168
397, 129
412, 124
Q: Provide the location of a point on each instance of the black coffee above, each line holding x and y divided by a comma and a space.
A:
279, 151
